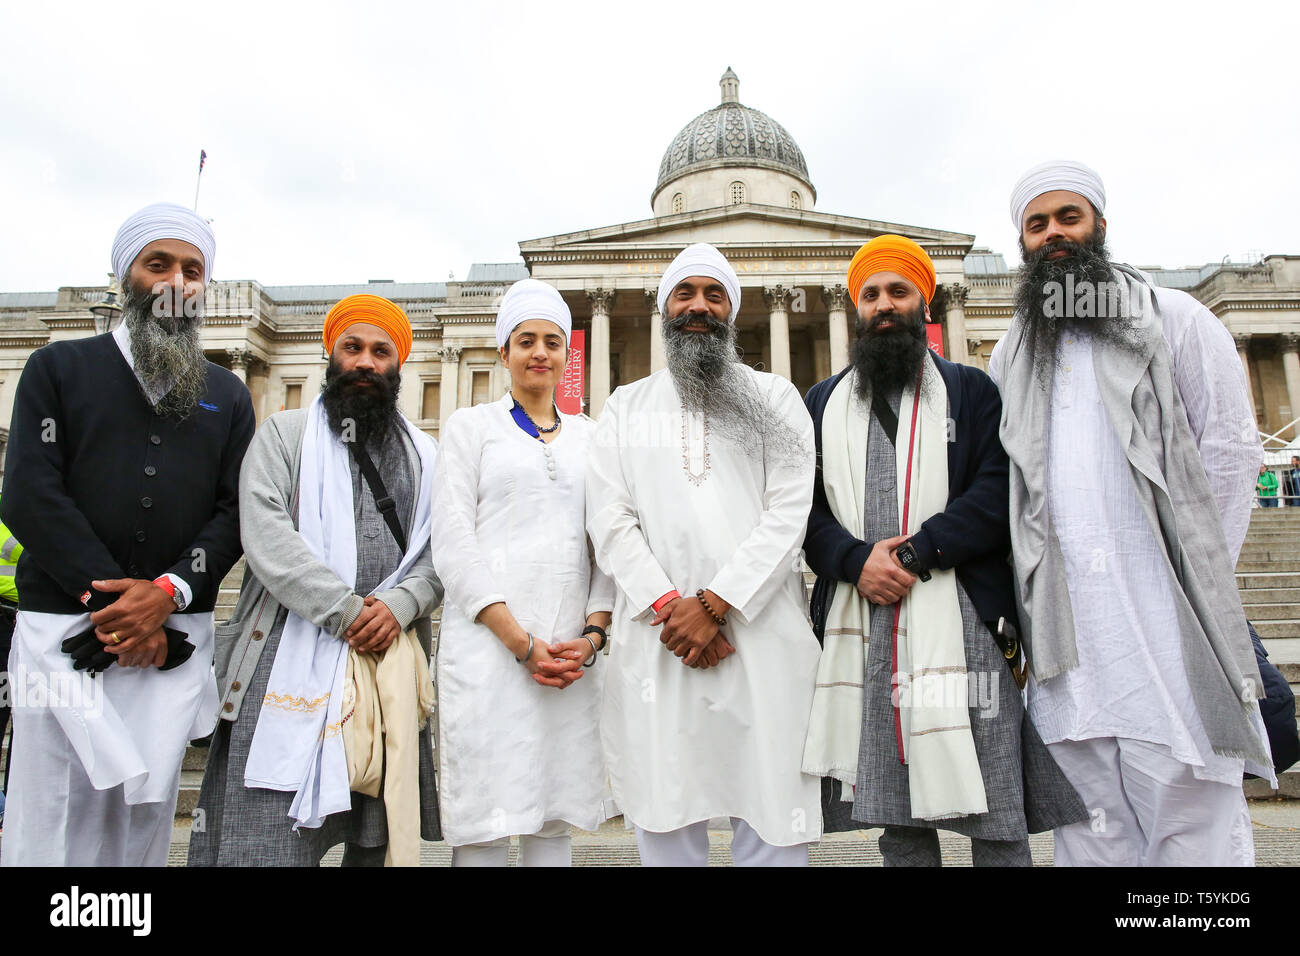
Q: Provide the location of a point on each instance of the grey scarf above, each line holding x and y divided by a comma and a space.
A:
1144, 408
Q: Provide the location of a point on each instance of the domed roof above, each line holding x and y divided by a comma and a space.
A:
731, 134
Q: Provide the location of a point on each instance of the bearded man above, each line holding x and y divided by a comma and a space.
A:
698, 488
917, 721
325, 693
122, 484
1133, 450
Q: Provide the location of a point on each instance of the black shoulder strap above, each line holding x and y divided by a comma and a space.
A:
885, 414
386, 505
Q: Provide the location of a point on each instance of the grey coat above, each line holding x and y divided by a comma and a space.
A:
281, 570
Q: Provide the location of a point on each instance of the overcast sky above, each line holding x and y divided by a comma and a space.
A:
349, 141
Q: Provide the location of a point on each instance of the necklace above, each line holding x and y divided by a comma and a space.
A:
544, 431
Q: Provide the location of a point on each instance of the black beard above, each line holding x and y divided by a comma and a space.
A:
167, 351
363, 414
1088, 261
709, 379
889, 361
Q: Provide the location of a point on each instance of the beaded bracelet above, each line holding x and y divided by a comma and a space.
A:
720, 621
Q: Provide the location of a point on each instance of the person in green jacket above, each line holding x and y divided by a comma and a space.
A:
1266, 488
10, 552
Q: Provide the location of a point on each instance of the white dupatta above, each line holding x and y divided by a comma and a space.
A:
930, 680
298, 742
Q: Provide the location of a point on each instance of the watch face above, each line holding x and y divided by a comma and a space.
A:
907, 556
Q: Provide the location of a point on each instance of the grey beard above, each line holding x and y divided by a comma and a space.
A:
167, 351
711, 382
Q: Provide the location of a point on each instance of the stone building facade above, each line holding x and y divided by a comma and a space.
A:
733, 177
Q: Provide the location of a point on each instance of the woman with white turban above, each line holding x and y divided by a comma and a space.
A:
526, 612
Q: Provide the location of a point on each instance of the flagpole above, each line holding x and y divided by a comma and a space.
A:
203, 155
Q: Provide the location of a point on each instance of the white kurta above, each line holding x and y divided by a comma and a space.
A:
1131, 681
508, 525
97, 759
672, 506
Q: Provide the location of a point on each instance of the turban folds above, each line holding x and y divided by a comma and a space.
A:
163, 220
373, 310
700, 259
892, 254
1048, 177
531, 299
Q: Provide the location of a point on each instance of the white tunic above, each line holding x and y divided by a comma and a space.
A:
672, 506
508, 525
1131, 680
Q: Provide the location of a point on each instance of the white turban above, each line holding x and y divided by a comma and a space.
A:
700, 259
163, 220
1057, 174
531, 299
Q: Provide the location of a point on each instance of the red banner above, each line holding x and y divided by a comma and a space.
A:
934, 333
568, 397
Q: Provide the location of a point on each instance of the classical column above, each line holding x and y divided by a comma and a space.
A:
777, 298
955, 295
1291, 368
656, 330
1243, 352
836, 300
239, 361
601, 300
973, 344
448, 384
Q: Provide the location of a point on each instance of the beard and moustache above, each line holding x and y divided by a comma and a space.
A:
711, 381
889, 360
1041, 280
166, 350
366, 414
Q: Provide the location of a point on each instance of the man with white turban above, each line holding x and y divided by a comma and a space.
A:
122, 484
323, 671
1133, 451
698, 490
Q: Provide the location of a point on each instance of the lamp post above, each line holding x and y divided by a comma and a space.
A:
108, 312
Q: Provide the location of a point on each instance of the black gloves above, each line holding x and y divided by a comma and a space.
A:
88, 653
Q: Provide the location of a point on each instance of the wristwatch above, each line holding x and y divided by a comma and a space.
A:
907, 557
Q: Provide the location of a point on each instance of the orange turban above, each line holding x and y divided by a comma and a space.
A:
373, 310
892, 254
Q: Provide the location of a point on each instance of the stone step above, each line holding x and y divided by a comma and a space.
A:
1284, 629
1272, 612
1268, 567
1265, 579
1269, 554
1252, 596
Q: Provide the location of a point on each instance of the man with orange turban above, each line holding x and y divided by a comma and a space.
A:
323, 671
917, 722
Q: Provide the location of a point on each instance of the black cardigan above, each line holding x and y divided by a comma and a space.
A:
971, 535
98, 485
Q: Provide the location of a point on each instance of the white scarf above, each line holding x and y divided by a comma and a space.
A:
930, 672
298, 742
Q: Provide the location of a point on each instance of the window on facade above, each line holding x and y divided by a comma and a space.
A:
430, 400
679, 203
293, 395
737, 193
479, 391
795, 201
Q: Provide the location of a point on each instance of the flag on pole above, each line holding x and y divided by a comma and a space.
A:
203, 158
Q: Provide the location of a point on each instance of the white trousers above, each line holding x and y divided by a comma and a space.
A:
1148, 809
549, 846
689, 846
55, 817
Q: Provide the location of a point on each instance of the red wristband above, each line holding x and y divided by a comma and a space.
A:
658, 605
166, 584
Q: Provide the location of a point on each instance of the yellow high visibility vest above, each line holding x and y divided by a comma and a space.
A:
10, 552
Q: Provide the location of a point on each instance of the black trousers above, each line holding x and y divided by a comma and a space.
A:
8, 617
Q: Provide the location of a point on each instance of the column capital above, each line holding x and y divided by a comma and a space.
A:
601, 300
1242, 339
973, 344
956, 293
1290, 342
450, 354
239, 358
835, 297
652, 300
777, 297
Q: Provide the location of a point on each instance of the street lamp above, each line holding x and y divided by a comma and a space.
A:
107, 312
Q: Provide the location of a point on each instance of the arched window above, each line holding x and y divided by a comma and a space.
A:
737, 193
795, 201
679, 203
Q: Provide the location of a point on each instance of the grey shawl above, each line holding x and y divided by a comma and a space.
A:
1146, 412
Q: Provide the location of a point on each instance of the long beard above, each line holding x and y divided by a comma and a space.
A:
1039, 289
358, 413
889, 360
167, 351
710, 381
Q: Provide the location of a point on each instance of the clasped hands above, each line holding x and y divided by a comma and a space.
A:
691, 633
374, 629
131, 627
883, 580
